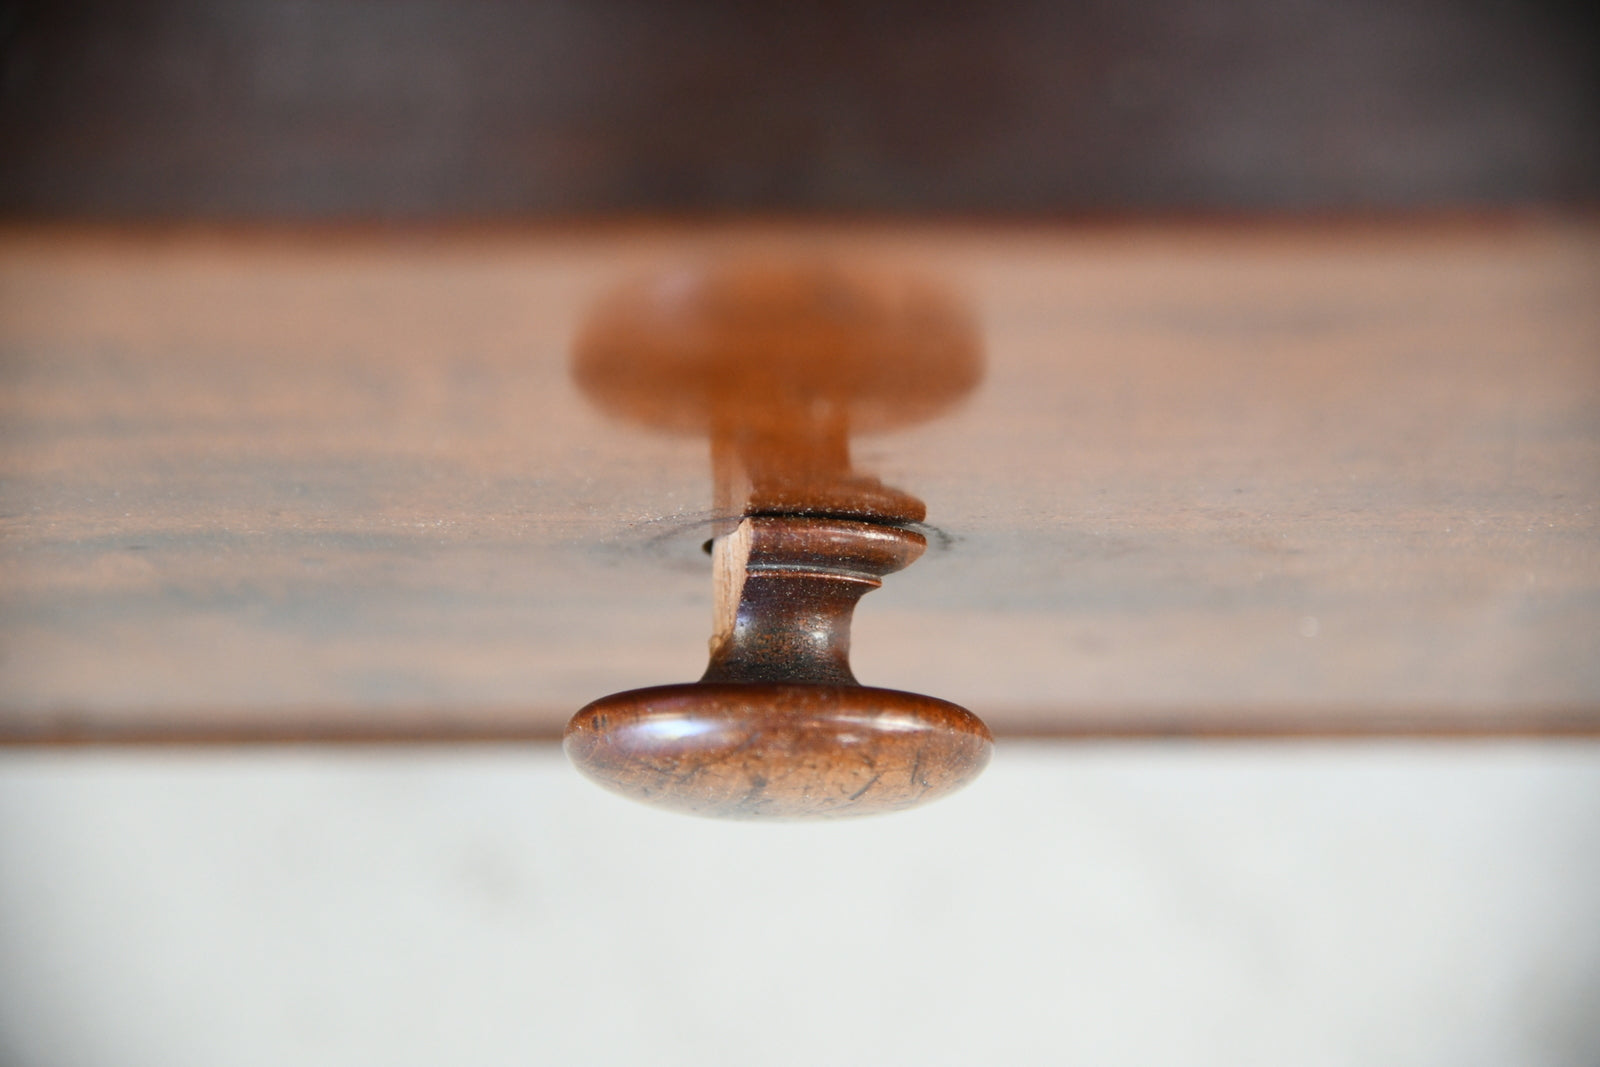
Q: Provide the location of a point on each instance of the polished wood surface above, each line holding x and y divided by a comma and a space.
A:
1264, 479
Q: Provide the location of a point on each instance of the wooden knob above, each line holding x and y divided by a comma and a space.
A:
778, 364
778, 727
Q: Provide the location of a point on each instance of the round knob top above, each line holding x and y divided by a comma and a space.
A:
758, 751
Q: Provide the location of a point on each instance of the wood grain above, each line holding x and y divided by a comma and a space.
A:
1256, 479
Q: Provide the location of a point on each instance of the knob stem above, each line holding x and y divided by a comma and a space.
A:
786, 589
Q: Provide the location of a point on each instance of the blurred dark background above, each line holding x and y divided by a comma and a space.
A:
424, 109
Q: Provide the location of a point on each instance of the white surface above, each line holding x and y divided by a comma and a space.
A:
1287, 904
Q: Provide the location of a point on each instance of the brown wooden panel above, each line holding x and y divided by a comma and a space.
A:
438, 109
1263, 479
